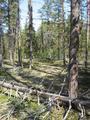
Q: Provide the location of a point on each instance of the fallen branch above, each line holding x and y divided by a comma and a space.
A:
32, 91
27, 90
66, 115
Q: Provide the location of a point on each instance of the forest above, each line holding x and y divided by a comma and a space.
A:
44, 59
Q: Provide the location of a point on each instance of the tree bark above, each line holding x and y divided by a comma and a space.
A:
63, 32
88, 33
31, 91
59, 40
75, 103
42, 37
11, 33
30, 30
73, 49
18, 35
1, 60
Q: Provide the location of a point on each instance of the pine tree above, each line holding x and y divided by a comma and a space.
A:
30, 30
88, 34
1, 39
73, 49
63, 31
12, 19
18, 34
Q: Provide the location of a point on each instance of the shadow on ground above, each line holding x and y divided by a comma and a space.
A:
84, 79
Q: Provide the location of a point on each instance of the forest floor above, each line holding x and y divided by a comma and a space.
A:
43, 75
48, 76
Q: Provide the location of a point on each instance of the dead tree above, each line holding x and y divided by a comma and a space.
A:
30, 29
73, 49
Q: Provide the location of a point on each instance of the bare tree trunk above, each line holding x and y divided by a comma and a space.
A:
81, 20
9, 31
1, 59
18, 35
59, 46
63, 30
42, 37
30, 30
88, 33
59, 41
11, 36
73, 49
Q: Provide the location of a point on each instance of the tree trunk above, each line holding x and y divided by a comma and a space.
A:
42, 37
11, 32
73, 49
1, 60
30, 30
88, 33
18, 35
59, 52
63, 30
59, 41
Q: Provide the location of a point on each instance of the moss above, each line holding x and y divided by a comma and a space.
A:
3, 98
2, 73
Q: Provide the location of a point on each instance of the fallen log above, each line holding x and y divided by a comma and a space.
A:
12, 76
44, 82
32, 91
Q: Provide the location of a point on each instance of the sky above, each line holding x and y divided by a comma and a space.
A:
37, 4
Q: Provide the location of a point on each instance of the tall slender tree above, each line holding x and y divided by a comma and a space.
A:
0, 39
18, 34
59, 42
42, 36
9, 29
88, 33
12, 8
30, 30
73, 49
63, 30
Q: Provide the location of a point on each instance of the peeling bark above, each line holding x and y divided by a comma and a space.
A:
73, 49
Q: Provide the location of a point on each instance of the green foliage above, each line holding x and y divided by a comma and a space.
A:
3, 98
18, 106
28, 108
2, 73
